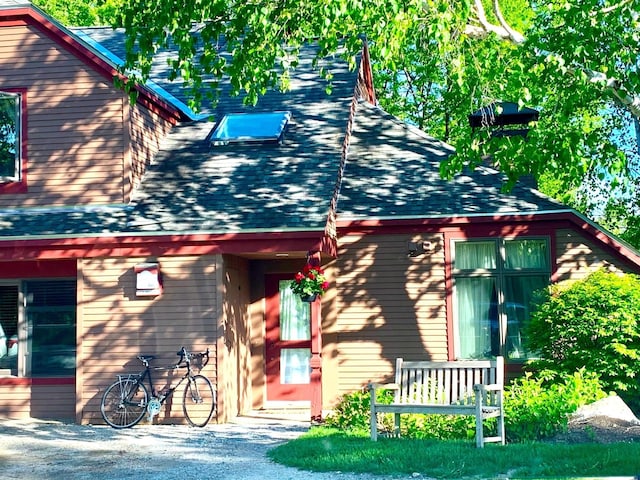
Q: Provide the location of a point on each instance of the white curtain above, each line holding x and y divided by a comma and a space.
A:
525, 254
295, 366
295, 315
480, 315
475, 255
478, 332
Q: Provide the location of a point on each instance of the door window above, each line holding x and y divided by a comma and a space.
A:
295, 325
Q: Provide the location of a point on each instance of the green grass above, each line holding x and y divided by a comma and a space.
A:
325, 449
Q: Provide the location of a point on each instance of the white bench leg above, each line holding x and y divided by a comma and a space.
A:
373, 422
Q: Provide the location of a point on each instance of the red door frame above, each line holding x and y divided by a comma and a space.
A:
273, 345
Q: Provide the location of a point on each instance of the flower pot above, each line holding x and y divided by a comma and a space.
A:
309, 298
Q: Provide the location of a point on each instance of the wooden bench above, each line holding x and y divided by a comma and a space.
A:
466, 387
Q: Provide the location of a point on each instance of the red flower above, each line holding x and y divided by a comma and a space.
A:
311, 275
299, 277
325, 285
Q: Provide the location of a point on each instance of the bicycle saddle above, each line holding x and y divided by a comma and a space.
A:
146, 358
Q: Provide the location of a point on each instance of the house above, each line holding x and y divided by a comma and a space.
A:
140, 228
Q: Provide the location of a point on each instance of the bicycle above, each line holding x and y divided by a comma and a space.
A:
125, 402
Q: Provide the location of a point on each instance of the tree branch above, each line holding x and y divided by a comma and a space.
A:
516, 37
505, 32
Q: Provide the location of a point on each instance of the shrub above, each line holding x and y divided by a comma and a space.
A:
535, 408
538, 408
351, 412
591, 324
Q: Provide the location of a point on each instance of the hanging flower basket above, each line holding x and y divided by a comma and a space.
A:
310, 283
309, 298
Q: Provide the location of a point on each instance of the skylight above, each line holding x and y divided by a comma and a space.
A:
250, 127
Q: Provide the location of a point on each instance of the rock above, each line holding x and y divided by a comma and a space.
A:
611, 407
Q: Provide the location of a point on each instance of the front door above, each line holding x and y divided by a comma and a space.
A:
288, 342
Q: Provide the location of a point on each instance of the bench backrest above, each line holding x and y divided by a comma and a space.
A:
445, 383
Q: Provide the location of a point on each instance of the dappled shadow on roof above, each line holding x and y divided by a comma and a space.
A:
394, 170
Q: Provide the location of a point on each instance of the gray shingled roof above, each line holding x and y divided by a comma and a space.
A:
392, 170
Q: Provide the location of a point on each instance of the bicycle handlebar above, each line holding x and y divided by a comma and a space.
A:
185, 358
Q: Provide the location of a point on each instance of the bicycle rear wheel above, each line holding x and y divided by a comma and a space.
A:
124, 403
199, 401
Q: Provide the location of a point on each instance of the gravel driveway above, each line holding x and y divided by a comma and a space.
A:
51, 450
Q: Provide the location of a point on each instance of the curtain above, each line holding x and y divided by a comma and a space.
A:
475, 255
477, 307
295, 365
295, 315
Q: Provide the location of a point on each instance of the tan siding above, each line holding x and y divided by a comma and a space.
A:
78, 125
147, 131
20, 401
15, 401
578, 256
235, 384
117, 325
389, 305
75, 130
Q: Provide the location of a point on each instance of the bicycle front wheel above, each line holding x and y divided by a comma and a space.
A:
199, 401
124, 403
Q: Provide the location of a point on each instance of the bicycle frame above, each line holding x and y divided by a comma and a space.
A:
136, 393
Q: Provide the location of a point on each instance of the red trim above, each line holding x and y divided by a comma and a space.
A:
38, 269
131, 246
274, 345
506, 225
21, 185
37, 381
23, 16
448, 287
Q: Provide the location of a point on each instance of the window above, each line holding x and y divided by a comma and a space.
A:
10, 137
494, 281
38, 319
250, 127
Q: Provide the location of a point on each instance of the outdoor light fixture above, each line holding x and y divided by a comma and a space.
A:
419, 248
502, 118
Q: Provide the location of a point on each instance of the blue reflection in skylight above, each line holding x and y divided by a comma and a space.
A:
250, 127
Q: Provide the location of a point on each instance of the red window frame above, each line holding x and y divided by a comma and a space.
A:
19, 186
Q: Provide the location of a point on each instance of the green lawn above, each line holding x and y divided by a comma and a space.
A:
325, 449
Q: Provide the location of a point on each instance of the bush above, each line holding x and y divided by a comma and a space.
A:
535, 408
538, 408
353, 413
591, 324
